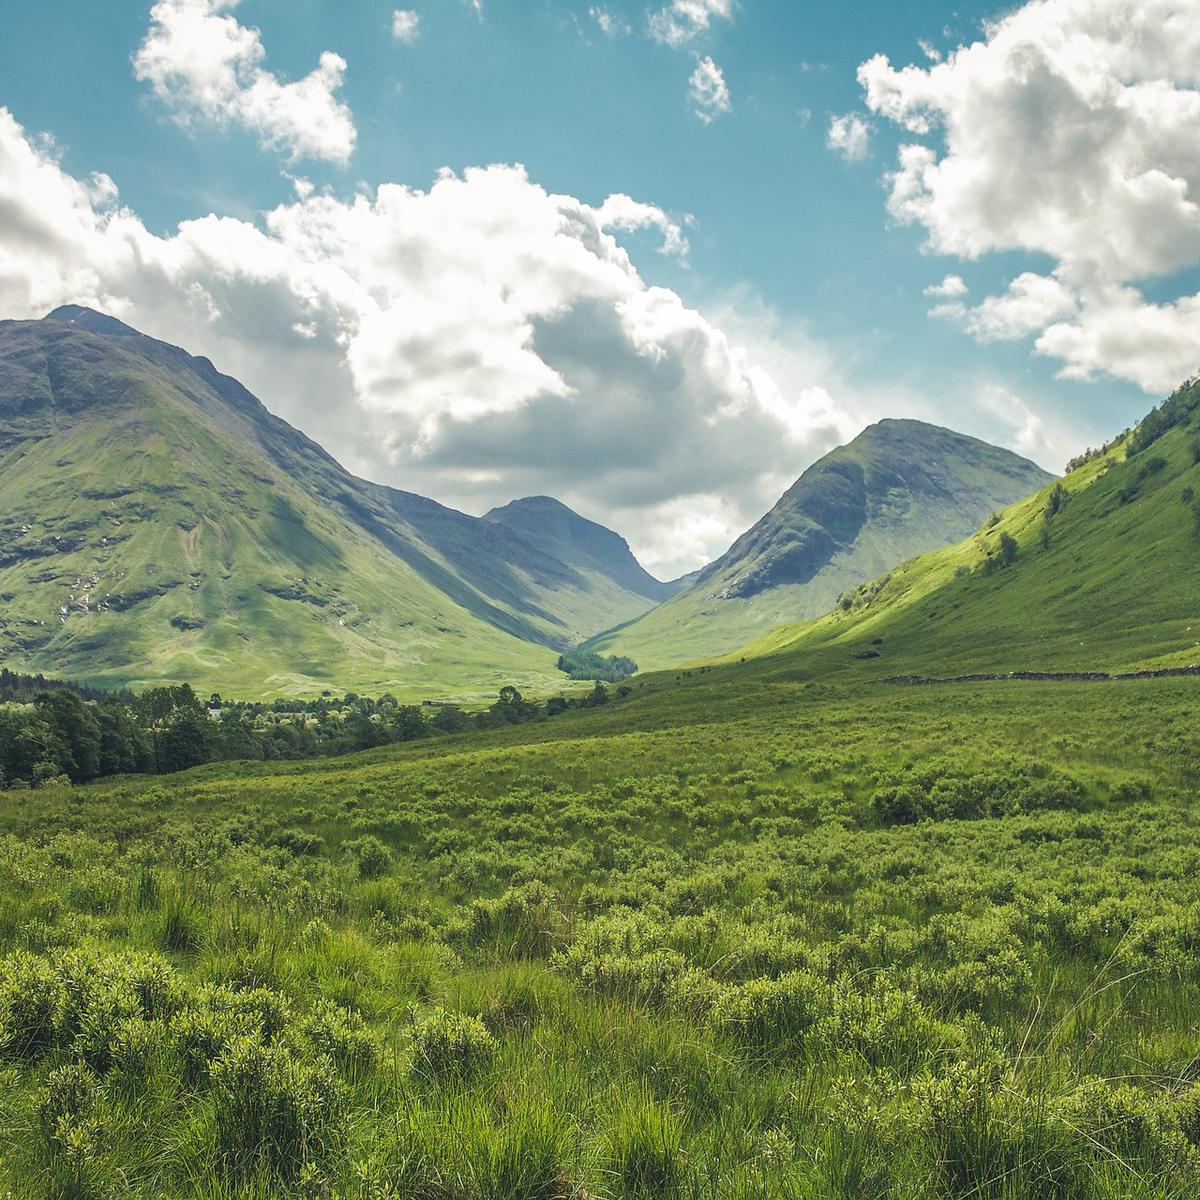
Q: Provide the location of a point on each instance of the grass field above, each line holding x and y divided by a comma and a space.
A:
738, 935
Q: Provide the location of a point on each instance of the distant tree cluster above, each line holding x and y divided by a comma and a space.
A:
1177, 409
587, 664
57, 733
1091, 455
1004, 554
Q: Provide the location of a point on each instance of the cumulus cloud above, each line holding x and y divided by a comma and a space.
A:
406, 25
479, 339
850, 136
207, 68
708, 91
683, 20
1067, 131
951, 288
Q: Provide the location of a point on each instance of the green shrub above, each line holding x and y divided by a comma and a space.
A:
341, 1036
1187, 1114
73, 1134
31, 1006
299, 843
370, 856
524, 921
983, 1139
773, 1012
69, 1097
272, 1112
1127, 1123
451, 1045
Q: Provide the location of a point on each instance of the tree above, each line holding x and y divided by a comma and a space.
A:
449, 718
408, 724
1008, 549
124, 747
511, 708
74, 721
187, 741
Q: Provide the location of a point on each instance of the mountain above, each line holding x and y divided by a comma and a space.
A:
899, 488
1100, 573
158, 523
600, 555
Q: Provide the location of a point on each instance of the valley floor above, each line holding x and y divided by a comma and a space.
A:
731, 937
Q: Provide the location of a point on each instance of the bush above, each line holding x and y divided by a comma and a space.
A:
31, 1006
370, 855
942, 791
299, 843
69, 1098
273, 1113
1126, 1123
773, 1012
451, 1045
524, 921
341, 1036
982, 1137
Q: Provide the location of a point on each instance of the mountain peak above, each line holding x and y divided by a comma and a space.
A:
581, 543
901, 487
91, 320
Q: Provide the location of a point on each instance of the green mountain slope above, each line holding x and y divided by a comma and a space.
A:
601, 556
900, 488
157, 523
1104, 576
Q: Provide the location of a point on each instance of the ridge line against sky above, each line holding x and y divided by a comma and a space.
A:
742, 229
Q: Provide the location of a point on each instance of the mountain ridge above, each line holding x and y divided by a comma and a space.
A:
1096, 573
581, 542
128, 459
898, 488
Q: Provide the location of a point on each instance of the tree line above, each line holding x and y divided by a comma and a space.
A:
52, 732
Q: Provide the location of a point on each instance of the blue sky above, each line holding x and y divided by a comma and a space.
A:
792, 251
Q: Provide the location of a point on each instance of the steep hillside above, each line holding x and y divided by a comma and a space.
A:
1101, 573
157, 523
898, 489
598, 554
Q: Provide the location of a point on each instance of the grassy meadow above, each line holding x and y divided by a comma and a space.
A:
740, 934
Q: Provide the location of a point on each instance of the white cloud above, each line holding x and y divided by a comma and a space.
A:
406, 25
1025, 431
627, 214
610, 24
951, 288
850, 136
207, 67
480, 339
708, 91
1067, 132
682, 20
1031, 303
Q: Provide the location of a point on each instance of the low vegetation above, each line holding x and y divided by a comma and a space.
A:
722, 937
